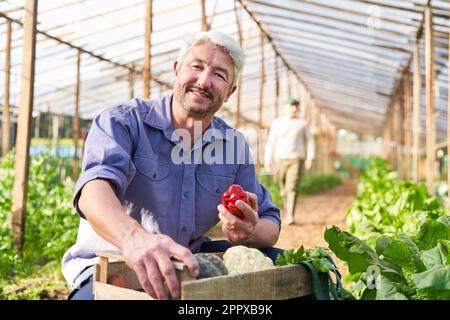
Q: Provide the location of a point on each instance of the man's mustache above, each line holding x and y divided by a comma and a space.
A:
205, 92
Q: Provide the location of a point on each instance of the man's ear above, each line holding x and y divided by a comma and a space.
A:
231, 92
175, 64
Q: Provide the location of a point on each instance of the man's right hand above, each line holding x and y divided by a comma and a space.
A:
149, 255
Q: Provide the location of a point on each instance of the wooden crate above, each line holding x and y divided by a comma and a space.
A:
279, 283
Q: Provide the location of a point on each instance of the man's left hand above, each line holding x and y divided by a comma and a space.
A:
240, 230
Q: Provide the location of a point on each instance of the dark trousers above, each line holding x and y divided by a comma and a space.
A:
85, 290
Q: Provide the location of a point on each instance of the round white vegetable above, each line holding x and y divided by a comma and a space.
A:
241, 259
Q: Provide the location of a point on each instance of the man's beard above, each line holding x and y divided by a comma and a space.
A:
211, 108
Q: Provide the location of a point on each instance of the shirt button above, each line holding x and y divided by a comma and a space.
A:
183, 229
186, 194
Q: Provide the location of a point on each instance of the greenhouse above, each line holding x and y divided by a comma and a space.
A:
365, 82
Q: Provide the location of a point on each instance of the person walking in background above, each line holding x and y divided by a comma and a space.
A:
290, 148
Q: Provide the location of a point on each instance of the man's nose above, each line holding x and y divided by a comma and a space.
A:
204, 79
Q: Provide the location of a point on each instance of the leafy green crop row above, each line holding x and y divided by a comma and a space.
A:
404, 267
316, 183
398, 246
51, 224
386, 205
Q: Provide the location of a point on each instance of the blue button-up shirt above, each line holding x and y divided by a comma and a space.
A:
134, 146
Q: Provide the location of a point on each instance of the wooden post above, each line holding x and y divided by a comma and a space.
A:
261, 101
83, 142
429, 76
147, 72
55, 134
76, 120
131, 76
262, 81
277, 89
395, 134
407, 101
49, 127
385, 146
319, 141
6, 123
288, 82
401, 131
391, 134
23, 127
204, 23
385, 133
305, 103
417, 87
448, 120
237, 119
327, 145
386, 138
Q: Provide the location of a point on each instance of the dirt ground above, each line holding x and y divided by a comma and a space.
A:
312, 215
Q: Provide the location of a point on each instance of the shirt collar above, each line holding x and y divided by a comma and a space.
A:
160, 117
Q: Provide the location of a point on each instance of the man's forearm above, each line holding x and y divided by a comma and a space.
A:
105, 213
265, 235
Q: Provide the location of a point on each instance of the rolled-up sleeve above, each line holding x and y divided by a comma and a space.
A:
107, 153
247, 178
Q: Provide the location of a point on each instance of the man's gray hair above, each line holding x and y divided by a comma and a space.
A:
218, 39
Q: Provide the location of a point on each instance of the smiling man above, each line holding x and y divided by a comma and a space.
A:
133, 198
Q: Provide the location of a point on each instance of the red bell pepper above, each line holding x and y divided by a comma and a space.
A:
233, 194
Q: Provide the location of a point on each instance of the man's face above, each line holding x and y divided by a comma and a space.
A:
292, 110
203, 82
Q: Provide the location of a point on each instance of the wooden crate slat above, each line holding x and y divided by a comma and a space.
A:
273, 284
104, 291
279, 283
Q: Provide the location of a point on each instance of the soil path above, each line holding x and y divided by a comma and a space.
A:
314, 213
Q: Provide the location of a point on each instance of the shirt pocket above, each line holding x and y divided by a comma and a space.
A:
209, 196
153, 181
151, 168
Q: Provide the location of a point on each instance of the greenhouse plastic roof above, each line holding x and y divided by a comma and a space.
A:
349, 54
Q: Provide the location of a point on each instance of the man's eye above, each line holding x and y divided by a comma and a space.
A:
221, 76
196, 67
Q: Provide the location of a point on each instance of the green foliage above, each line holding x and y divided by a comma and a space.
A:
320, 264
399, 267
316, 183
271, 184
43, 284
51, 223
386, 205
10, 261
309, 184
316, 255
399, 240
